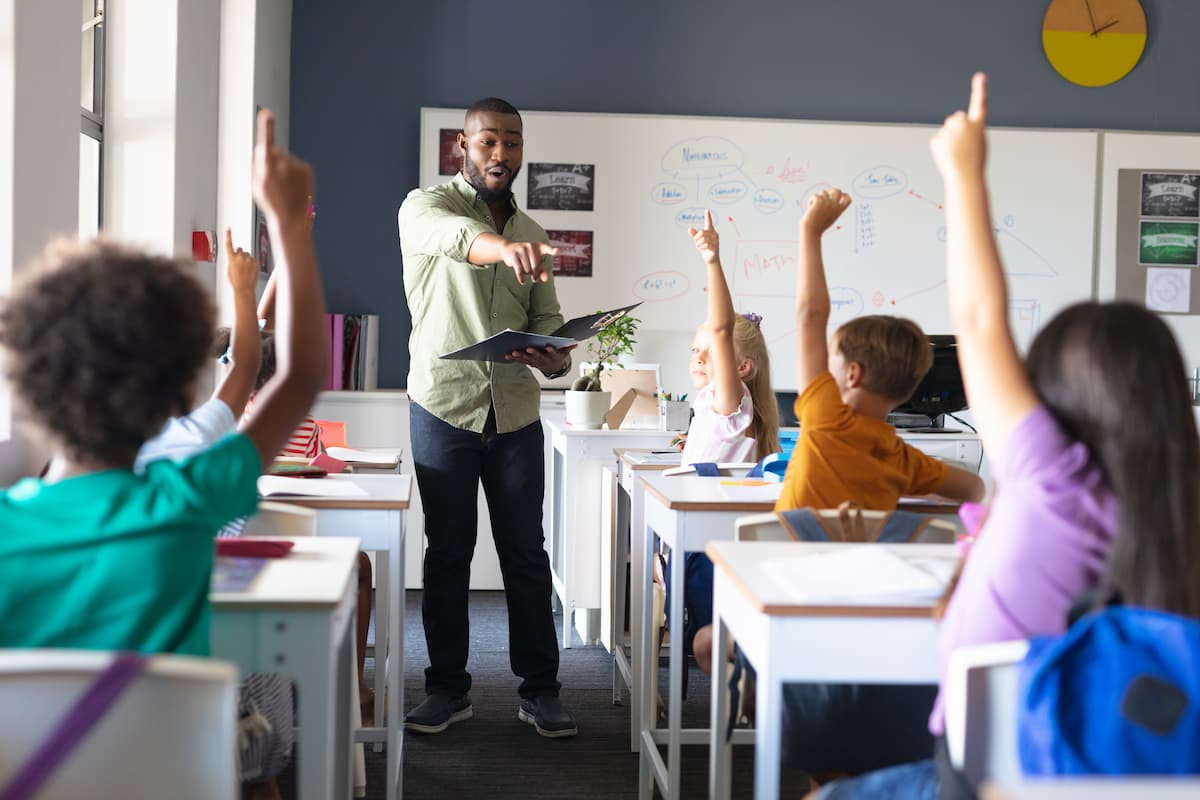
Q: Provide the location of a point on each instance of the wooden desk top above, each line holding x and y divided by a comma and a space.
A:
625, 456
384, 493
313, 574
743, 563
694, 493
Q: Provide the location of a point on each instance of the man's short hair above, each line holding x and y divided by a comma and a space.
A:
893, 351
493, 105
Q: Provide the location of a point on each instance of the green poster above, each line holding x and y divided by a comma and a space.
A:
1168, 243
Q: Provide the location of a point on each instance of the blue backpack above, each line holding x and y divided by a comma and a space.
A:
1117, 694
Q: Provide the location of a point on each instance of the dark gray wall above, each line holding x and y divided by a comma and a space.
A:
362, 69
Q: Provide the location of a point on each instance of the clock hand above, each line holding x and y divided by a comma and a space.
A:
1091, 17
1106, 25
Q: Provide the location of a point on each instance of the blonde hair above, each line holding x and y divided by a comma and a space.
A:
894, 353
749, 344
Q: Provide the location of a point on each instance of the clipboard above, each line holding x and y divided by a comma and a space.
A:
496, 347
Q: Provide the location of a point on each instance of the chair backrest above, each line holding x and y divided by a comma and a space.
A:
172, 733
981, 704
281, 519
767, 527
333, 434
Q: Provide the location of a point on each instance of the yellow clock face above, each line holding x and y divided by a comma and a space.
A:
1094, 42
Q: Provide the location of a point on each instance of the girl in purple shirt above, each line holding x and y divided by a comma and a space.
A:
1095, 445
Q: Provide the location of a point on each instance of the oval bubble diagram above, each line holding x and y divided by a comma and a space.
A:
768, 201
690, 218
705, 158
879, 182
668, 194
658, 286
727, 192
845, 302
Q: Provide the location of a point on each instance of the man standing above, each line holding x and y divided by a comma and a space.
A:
475, 264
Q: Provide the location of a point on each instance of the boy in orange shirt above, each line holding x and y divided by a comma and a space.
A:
847, 450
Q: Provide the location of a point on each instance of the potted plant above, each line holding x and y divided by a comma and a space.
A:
587, 405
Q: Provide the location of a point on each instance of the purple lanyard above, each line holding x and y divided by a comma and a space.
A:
73, 728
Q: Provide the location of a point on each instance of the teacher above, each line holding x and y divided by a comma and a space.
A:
475, 264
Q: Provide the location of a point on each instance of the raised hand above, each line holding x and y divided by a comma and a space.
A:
960, 147
240, 267
707, 240
823, 210
528, 259
283, 184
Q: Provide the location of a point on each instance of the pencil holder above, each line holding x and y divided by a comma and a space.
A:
674, 415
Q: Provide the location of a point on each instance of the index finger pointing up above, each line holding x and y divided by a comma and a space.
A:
708, 226
977, 110
266, 128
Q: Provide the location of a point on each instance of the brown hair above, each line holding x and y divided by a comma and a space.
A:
103, 343
749, 344
893, 351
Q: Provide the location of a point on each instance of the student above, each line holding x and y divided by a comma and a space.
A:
846, 449
847, 452
240, 347
1084, 498
736, 417
94, 555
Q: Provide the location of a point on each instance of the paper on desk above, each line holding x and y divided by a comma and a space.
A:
275, 486
654, 458
863, 573
354, 456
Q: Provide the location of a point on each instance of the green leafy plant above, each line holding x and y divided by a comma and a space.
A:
605, 348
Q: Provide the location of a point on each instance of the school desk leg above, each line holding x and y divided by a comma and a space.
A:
719, 748
637, 590
768, 735
678, 663
646, 661
395, 664
383, 636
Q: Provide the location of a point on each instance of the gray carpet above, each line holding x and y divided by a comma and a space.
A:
493, 755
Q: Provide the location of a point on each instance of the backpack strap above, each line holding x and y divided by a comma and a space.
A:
804, 525
902, 527
74, 727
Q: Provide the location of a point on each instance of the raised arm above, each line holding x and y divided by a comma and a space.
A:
266, 306
812, 293
282, 184
998, 388
727, 385
245, 341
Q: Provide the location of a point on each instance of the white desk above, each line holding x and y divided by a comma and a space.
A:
573, 488
874, 641
686, 512
377, 520
297, 619
620, 538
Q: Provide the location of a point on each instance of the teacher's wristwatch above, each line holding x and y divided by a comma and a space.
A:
565, 369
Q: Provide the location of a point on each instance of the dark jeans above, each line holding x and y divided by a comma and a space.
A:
450, 463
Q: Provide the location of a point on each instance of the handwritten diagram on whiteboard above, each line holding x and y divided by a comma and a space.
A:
655, 176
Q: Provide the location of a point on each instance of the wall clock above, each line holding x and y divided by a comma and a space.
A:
1094, 42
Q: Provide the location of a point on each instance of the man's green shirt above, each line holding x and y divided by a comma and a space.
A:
455, 303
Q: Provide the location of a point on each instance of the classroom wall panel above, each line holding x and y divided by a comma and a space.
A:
362, 71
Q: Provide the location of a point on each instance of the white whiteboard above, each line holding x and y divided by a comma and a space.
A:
654, 176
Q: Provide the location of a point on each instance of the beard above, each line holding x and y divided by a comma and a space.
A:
478, 180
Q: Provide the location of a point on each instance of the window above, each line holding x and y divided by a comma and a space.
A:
91, 118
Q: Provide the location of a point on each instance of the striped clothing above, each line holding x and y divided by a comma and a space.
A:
305, 441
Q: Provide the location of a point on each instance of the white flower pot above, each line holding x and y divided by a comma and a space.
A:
587, 409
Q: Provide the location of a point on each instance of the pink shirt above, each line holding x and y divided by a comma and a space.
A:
1046, 539
716, 437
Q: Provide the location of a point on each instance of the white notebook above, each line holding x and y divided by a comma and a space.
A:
353, 456
862, 573
279, 486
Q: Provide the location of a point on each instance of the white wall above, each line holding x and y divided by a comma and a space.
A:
40, 46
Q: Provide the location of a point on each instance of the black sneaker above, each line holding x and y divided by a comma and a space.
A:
546, 713
438, 712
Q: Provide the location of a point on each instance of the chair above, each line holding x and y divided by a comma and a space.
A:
172, 733
333, 434
281, 519
981, 710
767, 527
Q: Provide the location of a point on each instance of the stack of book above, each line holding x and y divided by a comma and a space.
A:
353, 351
